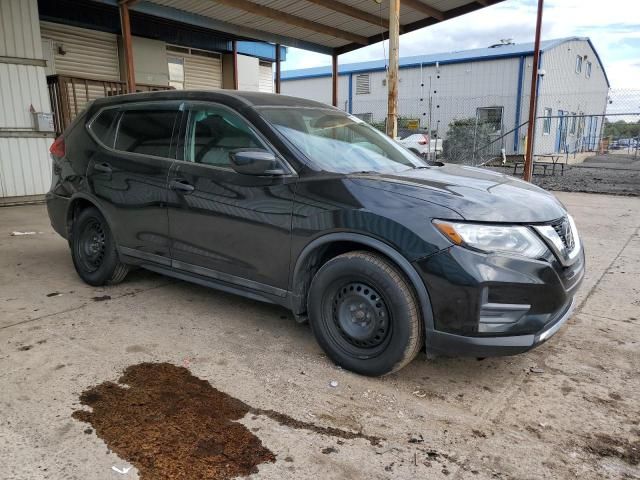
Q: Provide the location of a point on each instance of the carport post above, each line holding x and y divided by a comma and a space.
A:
234, 45
125, 27
533, 101
334, 80
392, 80
278, 68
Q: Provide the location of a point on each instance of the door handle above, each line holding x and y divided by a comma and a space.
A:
181, 186
102, 167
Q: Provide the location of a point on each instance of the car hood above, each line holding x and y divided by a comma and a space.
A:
475, 194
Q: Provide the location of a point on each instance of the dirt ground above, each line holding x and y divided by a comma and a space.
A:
570, 408
616, 174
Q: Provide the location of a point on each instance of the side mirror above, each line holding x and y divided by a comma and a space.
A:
255, 162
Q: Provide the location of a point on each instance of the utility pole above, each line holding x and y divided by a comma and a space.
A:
528, 159
392, 81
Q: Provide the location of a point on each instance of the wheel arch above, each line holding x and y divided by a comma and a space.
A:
79, 202
323, 248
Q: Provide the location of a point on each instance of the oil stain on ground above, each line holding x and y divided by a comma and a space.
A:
170, 424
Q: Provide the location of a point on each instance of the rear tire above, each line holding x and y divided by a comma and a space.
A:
364, 314
93, 250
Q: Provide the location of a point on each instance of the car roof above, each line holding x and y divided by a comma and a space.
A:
229, 97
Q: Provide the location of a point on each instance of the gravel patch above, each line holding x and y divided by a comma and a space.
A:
610, 174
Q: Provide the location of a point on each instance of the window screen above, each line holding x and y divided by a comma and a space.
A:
214, 133
176, 72
146, 131
103, 126
546, 125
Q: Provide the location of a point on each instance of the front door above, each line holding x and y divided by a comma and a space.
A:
130, 176
226, 225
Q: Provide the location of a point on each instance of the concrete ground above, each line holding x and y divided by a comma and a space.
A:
576, 414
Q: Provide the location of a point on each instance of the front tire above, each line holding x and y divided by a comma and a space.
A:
93, 250
364, 314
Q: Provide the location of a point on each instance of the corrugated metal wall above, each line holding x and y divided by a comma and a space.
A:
25, 167
20, 87
202, 73
19, 32
80, 52
266, 77
87, 53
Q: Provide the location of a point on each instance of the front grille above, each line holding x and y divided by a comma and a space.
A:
562, 238
563, 229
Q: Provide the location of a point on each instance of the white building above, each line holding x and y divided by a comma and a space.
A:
491, 85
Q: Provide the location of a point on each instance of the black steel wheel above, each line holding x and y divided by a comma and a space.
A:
93, 249
91, 245
359, 320
364, 314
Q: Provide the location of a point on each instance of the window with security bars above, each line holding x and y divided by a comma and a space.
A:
363, 84
490, 116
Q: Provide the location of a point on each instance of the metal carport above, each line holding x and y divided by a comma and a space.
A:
324, 26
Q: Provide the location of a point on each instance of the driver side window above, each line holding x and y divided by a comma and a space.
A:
215, 132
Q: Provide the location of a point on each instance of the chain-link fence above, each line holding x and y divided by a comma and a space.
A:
492, 129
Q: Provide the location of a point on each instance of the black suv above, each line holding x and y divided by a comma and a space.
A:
293, 202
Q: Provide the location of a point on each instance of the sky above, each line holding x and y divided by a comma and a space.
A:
612, 25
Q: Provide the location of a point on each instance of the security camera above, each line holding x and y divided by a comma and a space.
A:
542, 72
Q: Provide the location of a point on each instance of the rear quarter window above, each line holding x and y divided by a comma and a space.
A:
104, 126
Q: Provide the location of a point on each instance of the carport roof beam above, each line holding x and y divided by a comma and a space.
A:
290, 19
315, 25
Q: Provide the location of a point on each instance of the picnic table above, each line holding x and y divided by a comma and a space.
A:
556, 159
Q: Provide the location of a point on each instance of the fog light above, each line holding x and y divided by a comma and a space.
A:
499, 317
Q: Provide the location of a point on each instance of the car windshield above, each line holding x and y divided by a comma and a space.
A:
338, 142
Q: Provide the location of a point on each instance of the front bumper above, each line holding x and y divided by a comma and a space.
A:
443, 343
491, 305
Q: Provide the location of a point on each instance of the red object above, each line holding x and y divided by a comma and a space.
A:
57, 149
425, 141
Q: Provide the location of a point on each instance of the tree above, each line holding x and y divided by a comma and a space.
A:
463, 136
621, 129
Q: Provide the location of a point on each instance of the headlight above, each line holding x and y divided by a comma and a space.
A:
494, 238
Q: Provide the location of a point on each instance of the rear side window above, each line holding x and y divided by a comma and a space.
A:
147, 131
104, 126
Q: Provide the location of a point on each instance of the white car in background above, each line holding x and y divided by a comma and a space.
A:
421, 144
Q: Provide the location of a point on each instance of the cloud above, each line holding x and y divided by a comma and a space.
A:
614, 29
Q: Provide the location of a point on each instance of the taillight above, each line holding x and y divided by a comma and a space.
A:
57, 149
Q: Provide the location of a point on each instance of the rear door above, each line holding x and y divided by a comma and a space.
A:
129, 174
226, 225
